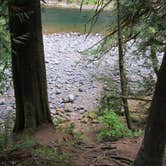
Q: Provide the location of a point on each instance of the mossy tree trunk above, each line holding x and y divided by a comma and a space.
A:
28, 65
152, 150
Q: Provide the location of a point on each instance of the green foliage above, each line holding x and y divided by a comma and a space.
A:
111, 88
7, 145
4, 46
77, 137
24, 144
106, 103
89, 2
143, 26
57, 122
5, 138
113, 127
51, 154
70, 129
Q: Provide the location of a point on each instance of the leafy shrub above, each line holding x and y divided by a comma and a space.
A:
57, 121
113, 128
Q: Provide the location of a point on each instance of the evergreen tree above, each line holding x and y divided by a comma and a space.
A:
28, 65
152, 150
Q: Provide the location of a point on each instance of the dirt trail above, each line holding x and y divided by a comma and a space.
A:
91, 152
95, 153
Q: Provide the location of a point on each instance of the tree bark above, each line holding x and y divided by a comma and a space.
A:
152, 149
28, 65
123, 80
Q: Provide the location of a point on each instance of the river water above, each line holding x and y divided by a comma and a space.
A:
61, 20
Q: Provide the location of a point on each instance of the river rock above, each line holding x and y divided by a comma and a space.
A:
71, 98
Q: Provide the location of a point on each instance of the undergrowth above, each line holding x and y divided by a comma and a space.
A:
55, 156
23, 150
113, 127
7, 143
77, 137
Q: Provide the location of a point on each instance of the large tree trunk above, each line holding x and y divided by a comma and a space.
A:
152, 149
28, 64
123, 80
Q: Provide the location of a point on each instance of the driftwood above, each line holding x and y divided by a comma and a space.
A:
129, 98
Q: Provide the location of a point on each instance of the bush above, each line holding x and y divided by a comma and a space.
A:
113, 127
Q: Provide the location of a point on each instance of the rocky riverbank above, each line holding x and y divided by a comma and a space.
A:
72, 5
72, 83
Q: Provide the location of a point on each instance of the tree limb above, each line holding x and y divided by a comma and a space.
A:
129, 98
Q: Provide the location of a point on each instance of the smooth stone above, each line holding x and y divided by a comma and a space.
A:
80, 90
2, 103
68, 110
71, 98
57, 92
82, 111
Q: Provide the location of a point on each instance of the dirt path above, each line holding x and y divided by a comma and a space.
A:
89, 151
95, 153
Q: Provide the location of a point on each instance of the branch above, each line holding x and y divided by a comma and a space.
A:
129, 98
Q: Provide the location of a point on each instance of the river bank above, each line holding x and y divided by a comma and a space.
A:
73, 5
71, 83
73, 78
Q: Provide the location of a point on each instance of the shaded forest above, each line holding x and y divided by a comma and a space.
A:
83, 97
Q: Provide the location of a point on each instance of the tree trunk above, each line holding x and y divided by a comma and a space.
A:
28, 65
152, 149
123, 80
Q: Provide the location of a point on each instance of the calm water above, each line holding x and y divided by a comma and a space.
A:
58, 20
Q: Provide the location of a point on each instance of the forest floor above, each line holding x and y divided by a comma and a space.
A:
63, 147
89, 151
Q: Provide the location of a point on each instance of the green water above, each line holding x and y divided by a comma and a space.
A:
59, 20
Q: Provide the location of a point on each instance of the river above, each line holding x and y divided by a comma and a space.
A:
61, 20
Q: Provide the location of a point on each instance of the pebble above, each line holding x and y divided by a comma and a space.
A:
2, 101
